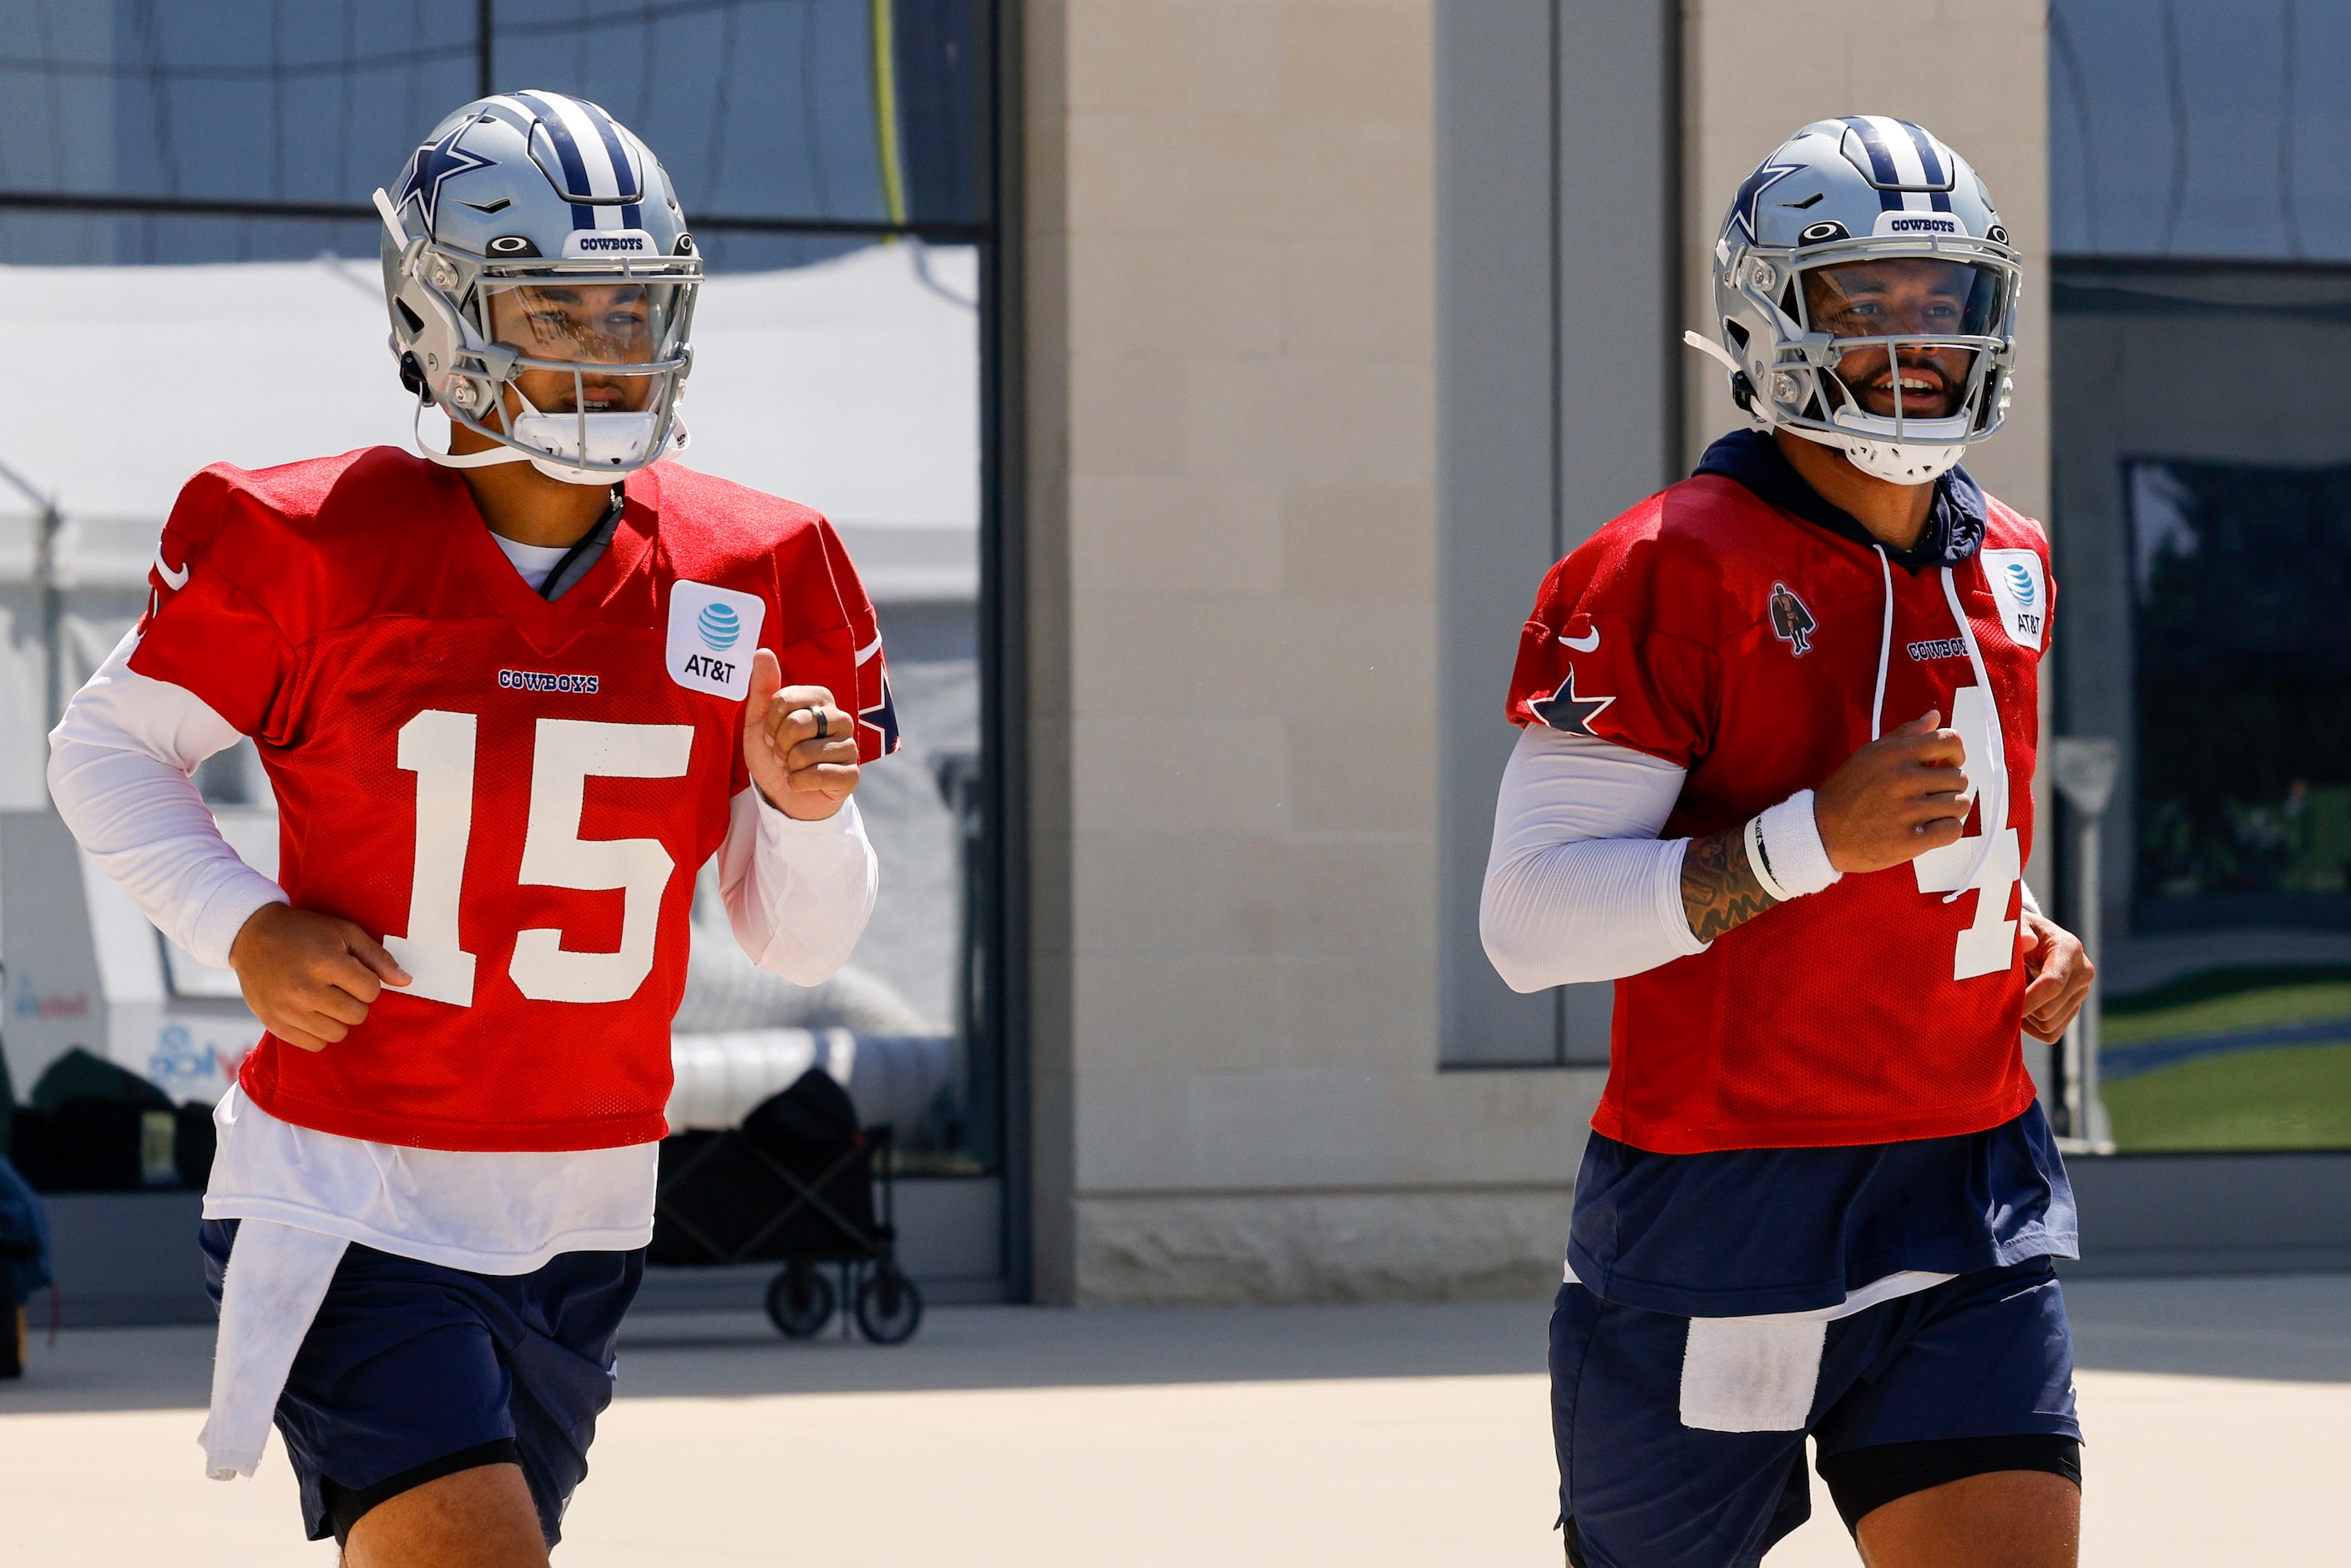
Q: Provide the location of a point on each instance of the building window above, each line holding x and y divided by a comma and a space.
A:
2202, 528
191, 180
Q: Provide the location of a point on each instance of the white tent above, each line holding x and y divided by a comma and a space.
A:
852, 386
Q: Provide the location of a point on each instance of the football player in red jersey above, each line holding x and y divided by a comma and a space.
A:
1774, 781
510, 697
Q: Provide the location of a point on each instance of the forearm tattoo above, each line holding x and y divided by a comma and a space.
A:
1719, 890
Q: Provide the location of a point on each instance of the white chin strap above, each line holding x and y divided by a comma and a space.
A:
619, 441
1905, 463
1896, 462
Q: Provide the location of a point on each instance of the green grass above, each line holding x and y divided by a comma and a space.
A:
2124, 1025
2292, 1097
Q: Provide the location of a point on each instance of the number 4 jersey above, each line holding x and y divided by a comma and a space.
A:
514, 794
1748, 646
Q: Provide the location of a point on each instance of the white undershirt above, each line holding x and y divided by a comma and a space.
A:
796, 893
533, 561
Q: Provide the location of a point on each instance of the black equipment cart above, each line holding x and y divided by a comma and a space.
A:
794, 1185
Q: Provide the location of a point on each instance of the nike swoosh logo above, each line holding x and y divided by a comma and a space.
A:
177, 579
1583, 644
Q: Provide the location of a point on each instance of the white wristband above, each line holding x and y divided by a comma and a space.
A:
1792, 855
1759, 864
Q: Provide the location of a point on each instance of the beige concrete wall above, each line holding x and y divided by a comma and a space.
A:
1231, 356
1231, 449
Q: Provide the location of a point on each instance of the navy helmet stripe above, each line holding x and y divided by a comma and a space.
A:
1929, 159
632, 215
1881, 161
567, 152
1932, 162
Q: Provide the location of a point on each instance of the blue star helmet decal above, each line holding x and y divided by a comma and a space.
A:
1742, 206
882, 716
433, 165
1568, 713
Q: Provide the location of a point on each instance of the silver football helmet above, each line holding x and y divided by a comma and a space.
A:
534, 239
1902, 366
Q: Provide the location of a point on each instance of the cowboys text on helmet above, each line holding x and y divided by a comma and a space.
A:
541, 284
1865, 294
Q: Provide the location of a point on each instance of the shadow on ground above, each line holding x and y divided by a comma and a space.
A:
1041, 1347
2291, 1329
2287, 1328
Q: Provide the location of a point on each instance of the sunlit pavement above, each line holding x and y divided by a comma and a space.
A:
1366, 1436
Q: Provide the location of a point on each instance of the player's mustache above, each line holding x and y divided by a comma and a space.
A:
603, 397
1883, 378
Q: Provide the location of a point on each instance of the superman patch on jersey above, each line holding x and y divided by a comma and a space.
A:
1792, 620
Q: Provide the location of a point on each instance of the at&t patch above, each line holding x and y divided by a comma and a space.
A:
712, 632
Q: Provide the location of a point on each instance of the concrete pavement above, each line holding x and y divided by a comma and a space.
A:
1370, 1436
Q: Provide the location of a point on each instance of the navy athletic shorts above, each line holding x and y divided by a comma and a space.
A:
412, 1371
1984, 1359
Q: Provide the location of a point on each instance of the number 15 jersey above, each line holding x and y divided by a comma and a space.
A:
513, 795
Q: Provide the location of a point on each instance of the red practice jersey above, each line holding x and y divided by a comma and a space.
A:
1717, 632
514, 794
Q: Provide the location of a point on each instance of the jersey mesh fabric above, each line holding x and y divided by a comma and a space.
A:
323, 607
1712, 630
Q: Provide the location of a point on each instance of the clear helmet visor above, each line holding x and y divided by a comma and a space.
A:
593, 344
597, 359
1909, 335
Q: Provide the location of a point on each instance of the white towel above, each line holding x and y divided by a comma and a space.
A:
1753, 1375
277, 1276
1760, 1373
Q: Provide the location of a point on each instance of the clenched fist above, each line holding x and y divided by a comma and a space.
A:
1897, 798
307, 977
802, 751
2057, 975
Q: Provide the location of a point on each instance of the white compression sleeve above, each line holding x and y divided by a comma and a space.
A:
120, 762
796, 893
1578, 885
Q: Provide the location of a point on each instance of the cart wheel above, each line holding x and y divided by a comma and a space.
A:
889, 1308
800, 1303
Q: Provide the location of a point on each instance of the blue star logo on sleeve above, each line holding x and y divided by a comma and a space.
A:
434, 164
1743, 205
1566, 712
882, 718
